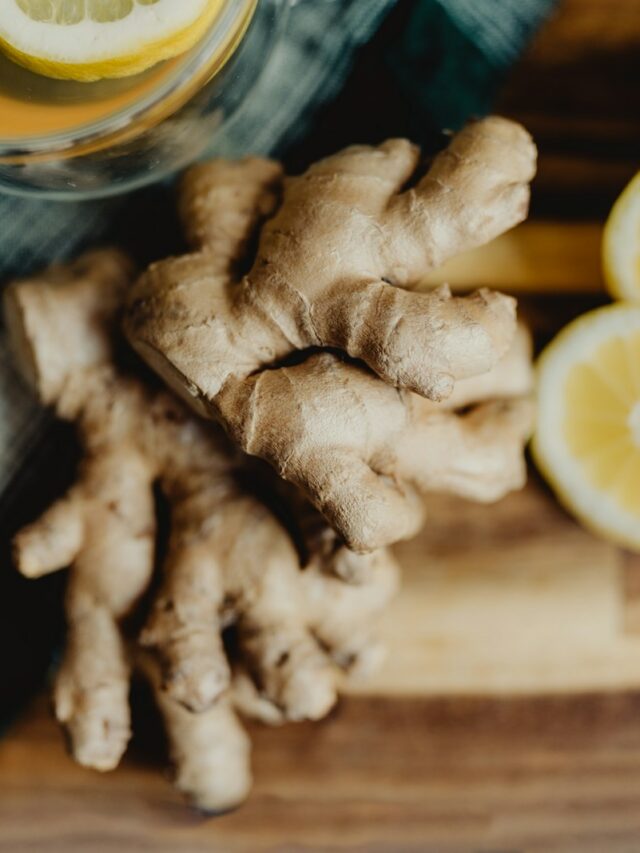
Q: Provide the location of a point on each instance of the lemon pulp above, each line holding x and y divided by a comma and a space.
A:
90, 40
74, 11
601, 421
587, 438
621, 245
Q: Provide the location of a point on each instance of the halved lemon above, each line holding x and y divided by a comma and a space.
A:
587, 439
621, 245
93, 39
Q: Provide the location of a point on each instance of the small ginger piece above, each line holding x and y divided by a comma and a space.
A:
337, 255
230, 562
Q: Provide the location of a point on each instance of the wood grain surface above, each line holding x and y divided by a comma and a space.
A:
380, 775
483, 733
514, 598
505, 600
573, 90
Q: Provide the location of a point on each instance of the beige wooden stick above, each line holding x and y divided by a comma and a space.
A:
536, 257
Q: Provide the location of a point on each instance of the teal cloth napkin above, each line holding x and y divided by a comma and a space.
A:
453, 55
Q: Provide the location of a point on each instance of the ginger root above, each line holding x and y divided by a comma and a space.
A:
229, 564
339, 249
361, 394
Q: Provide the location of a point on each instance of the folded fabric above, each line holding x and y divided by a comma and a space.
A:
453, 54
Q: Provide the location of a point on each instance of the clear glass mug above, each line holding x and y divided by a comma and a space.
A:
68, 140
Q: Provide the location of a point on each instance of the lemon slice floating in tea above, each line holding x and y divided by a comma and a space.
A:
587, 440
93, 39
621, 245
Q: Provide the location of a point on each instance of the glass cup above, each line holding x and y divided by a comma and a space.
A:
70, 140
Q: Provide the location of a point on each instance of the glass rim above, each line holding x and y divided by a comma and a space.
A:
226, 32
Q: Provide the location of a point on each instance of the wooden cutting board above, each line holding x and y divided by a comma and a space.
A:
461, 743
505, 719
515, 598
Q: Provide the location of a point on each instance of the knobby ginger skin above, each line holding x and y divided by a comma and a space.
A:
338, 250
429, 393
229, 561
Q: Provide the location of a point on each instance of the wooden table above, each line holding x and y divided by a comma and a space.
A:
423, 758
397, 775
519, 602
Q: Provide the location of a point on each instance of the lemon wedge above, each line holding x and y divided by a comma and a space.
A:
587, 439
93, 39
621, 245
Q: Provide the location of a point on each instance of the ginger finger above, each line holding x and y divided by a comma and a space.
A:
61, 327
344, 615
476, 455
70, 319
385, 447
222, 203
262, 577
387, 168
229, 562
341, 616
251, 703
394, 444
51, 542
184, 627
286, 664
209, 751
431, 340
110, 571
91, 691
476, 189
511, 377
